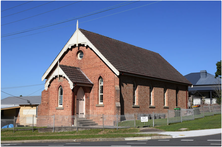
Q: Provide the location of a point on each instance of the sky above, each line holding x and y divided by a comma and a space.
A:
186, 33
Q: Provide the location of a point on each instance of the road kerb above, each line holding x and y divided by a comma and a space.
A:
86, 140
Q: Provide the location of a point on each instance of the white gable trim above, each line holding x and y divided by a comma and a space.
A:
60, 72
79, 38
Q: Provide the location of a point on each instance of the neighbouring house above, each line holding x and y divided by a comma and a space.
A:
94, 75
204, 88
23, 108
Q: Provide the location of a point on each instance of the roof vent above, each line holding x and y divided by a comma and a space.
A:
203, 74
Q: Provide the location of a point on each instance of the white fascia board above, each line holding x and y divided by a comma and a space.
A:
79, 37
67, 46
60, 72
82, 39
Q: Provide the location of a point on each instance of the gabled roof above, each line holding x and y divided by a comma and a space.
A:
135, 60
16, 101
75, 75
197, 79
78, 38
123, 57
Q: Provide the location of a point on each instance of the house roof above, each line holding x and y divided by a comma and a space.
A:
75, 74
16, 101
203, 88
196, 78
135, 60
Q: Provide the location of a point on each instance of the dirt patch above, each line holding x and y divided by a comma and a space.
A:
104, 132
150, 130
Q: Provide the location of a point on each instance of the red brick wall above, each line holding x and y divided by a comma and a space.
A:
143, 95
43, 107
43, 110
53, 97
49, 103
93, 67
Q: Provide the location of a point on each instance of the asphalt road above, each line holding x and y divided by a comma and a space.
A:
211, 140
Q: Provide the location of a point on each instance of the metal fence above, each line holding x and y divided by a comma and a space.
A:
56, 123
6, 122
175, 116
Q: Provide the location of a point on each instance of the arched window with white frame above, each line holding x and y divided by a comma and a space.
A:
60, 97
151, 96
165, 97
135, 95
100, 90
177, 93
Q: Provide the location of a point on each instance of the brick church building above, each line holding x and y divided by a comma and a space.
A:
95, 74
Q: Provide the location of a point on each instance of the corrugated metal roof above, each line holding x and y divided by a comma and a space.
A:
21, 100
5, 107
203, 88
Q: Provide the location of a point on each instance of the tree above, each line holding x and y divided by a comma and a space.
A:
218, 89
218, 72
217, 94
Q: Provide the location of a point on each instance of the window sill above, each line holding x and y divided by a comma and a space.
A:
59, 108
152, 107
165, 107
135, 106
99, 105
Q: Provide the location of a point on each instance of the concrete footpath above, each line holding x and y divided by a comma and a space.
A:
168, 134
193, 133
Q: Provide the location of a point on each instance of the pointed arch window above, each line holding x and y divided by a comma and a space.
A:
60, 97
100, 90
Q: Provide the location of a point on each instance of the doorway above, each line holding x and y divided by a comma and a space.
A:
80, 103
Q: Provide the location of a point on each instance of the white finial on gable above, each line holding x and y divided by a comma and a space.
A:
77, 25
77, 28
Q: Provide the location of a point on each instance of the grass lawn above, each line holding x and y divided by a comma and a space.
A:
93, 133
138, 123
208, 122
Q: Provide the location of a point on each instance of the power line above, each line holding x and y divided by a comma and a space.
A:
39, 14
16, 96
121, 12
71, 19
37, 32
27, 9
21, 86
84, 21
16, 6
35, 91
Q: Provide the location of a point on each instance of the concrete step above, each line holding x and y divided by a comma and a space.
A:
86, 122
91, 124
